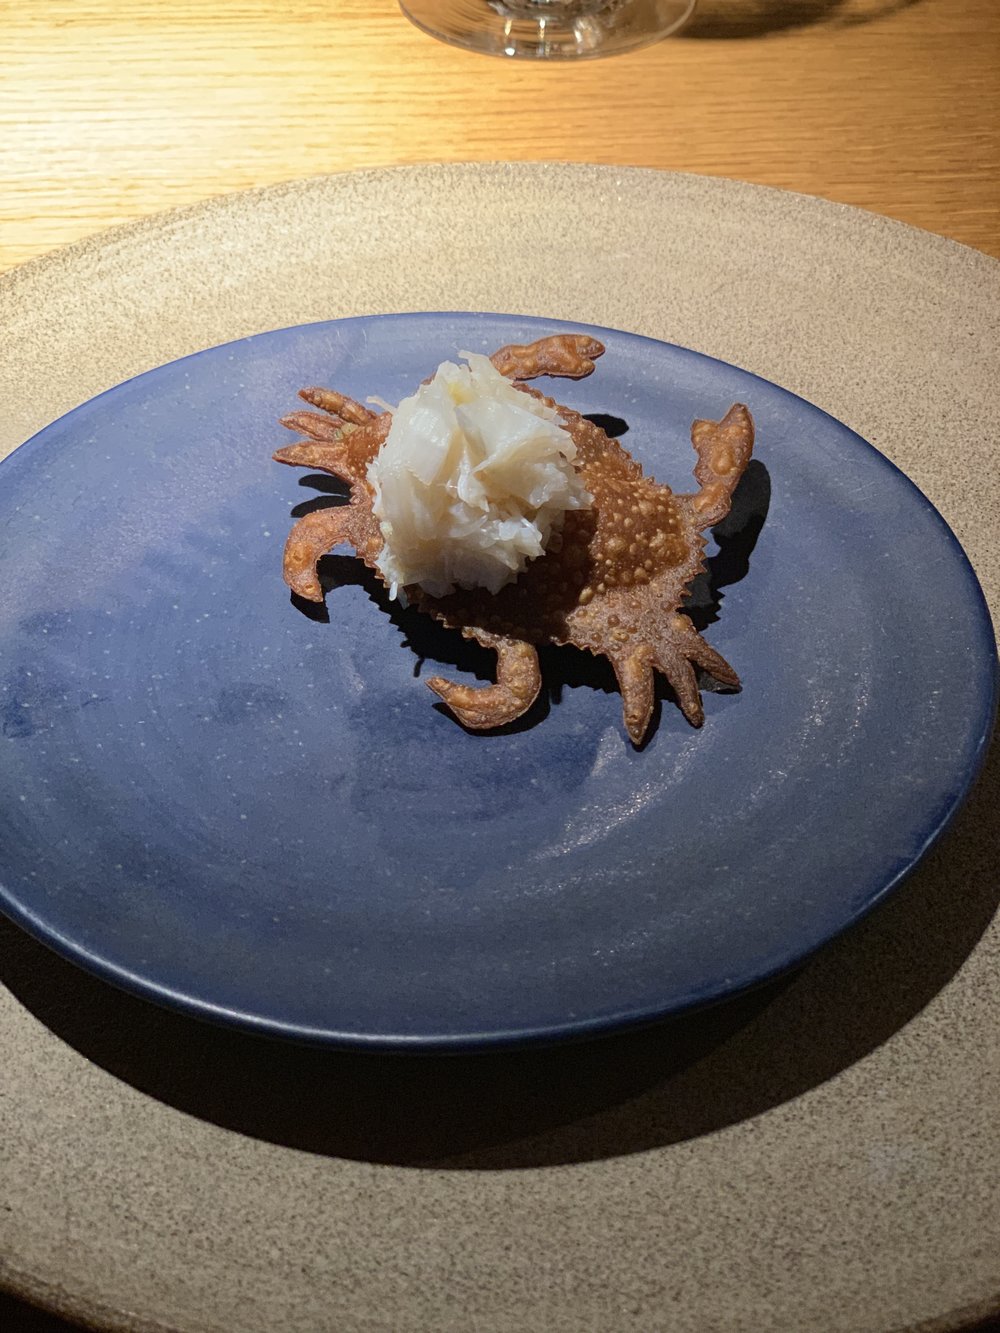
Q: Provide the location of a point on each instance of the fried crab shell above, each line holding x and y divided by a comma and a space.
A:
611, 582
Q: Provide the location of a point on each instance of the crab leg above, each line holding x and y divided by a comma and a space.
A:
324, 456
635, 680
312, 536
315, 425
519, 678
338, 405
723, 448
570, 355
678, 652
346, 454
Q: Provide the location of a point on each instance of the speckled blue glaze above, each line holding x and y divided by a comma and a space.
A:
216, 801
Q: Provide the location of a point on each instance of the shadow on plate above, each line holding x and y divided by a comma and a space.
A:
757, 18
679, 1079
17, 1316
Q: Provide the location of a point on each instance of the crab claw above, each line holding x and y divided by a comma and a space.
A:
519, 678
312, 536
724, 448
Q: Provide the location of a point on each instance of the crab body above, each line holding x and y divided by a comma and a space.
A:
612, 581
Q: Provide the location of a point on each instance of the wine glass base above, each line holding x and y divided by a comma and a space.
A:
539, 28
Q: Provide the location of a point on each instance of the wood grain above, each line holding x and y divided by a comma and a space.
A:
111, 109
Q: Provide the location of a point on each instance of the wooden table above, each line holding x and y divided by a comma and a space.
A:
112, 109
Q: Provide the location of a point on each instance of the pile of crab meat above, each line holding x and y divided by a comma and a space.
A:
473, 479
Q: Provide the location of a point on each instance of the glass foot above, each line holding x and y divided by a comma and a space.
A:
552, 29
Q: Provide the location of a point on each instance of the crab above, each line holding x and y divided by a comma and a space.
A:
612, 581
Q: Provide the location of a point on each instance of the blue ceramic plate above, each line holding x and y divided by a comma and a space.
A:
217, 801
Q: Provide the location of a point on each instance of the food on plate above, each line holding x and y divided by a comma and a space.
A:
473, 481
522, 524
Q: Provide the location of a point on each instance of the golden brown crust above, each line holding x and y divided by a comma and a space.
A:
338, 405
611, 582
310, 539
519, 678
724, 449
567, 355
345, 454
